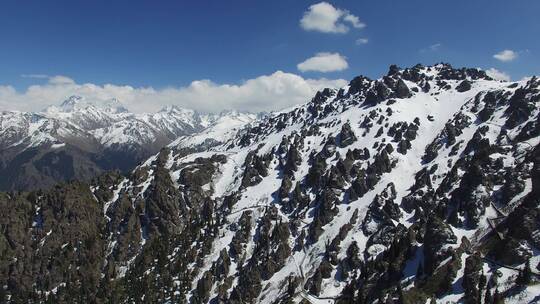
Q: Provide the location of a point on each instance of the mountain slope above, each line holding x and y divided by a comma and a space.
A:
81, 139
421, 185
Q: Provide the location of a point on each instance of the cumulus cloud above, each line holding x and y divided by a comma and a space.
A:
353, 20
498, 75
264, 93
324, 17
506, 55
324, 62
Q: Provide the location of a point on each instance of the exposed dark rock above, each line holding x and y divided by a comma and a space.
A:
463, 86
520, 106
255, 168
402, 90
346, 135
393, 70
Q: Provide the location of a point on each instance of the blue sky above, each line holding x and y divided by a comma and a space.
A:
172, 43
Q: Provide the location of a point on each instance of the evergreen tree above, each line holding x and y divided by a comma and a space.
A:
487, 297
446, 285
494, 280
419, 271
401, 298
497, 298
525, 276
3, 294
482, 281
389, 300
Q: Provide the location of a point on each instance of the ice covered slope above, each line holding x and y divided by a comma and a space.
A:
420, 185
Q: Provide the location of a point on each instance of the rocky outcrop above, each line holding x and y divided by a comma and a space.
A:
463, 86
346, 136
437, 235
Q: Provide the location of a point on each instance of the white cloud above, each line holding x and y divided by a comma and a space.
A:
264, 93
506, 55
497, 75
435, 47
432, 48
61, 80
361, 41
324, 17
324, 62
354, 21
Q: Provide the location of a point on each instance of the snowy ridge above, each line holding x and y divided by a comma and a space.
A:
307, 200
81, 139
109, 123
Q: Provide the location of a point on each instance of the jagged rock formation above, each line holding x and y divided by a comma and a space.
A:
421, 186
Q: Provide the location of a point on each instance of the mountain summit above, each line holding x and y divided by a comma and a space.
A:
79, 103
71, 102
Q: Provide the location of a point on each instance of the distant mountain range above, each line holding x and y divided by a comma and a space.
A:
80, 139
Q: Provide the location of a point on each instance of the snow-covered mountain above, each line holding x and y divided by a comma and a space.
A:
419, 187
224, 127
105, 134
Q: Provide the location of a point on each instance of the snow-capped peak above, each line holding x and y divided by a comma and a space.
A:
114, 105
76, 103
71, 102
175, 109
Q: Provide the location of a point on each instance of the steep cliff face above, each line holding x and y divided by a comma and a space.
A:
421, 185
